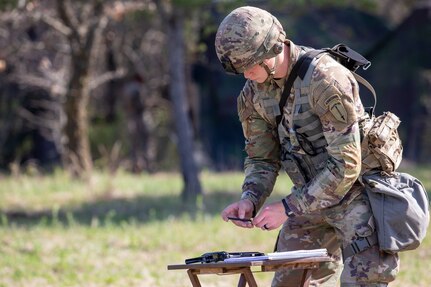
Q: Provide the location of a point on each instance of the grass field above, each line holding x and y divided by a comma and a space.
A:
123, 230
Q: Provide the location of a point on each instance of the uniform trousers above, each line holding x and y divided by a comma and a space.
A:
334, 228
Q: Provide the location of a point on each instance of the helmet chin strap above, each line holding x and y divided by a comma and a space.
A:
270, 71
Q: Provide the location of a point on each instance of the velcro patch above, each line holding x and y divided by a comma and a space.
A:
336, 107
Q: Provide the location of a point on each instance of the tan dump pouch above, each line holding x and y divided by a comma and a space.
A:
381, 147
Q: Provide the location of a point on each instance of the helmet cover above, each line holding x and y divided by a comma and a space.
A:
246, 37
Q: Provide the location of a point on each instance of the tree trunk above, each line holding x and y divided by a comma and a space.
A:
137, 131
77, 153
177, 91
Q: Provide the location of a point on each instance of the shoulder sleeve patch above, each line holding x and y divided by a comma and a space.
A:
336, 108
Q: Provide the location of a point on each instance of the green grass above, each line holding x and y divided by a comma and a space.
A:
124, 230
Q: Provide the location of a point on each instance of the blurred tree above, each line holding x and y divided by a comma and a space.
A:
58, 54
173, 17
55, 54
137, 42
80, 27
32, 116
67, 71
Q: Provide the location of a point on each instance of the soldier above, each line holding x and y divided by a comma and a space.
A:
318, 145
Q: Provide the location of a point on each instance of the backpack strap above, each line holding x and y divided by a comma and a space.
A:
300, 69
366, 84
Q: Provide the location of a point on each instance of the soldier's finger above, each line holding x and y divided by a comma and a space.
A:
259, 221
241, 211
231, 210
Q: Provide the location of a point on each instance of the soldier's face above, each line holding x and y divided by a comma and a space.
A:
256, 73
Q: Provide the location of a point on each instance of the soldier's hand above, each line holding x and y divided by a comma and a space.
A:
272, 216
242, 209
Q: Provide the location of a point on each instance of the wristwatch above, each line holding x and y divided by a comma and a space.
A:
287, 209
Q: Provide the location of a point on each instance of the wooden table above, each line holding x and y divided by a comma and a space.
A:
244, 268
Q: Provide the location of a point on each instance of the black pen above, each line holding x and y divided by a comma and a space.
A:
239, 219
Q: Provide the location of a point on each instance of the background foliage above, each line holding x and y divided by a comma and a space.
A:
128, 77
111, 111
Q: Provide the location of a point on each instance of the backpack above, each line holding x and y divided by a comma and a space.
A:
400, 207
399, 201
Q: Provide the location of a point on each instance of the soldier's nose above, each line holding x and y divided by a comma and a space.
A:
247, 74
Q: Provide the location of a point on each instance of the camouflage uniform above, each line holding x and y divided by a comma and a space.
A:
318, 145
331, 208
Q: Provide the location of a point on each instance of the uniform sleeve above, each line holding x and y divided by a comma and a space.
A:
262, 147
333, 98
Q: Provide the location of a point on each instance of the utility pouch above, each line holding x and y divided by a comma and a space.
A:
400, 207
381, 146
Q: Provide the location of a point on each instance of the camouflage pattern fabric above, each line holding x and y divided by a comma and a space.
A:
334, 98
327, 187
246, 37
333, 228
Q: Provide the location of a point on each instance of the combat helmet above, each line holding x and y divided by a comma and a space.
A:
246, 37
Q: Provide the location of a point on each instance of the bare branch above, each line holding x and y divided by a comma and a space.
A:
57, 25
134, 59
38, 121
95, 27
88, 10
108, 76
48, 105
39, 82
62, 12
